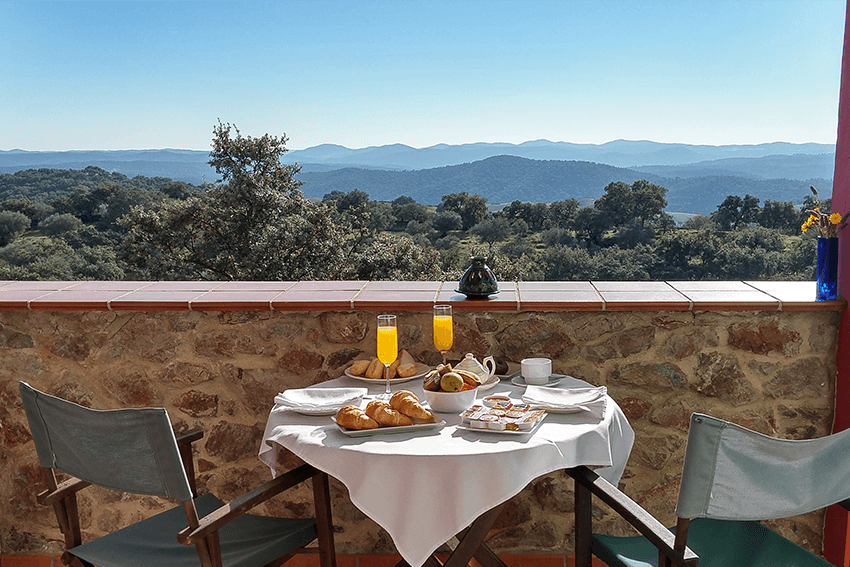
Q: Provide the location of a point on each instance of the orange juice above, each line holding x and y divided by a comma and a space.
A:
443, 332
387, 344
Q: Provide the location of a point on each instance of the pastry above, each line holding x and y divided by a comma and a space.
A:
408, 404
352, 417
385, 415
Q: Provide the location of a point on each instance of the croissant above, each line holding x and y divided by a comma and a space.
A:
385, 415
408, 404
352, 417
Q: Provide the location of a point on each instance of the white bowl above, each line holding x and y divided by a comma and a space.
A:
450, 402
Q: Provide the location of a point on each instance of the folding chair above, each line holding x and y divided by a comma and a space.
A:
136, 451
732, 477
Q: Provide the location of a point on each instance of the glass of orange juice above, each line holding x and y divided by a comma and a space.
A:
443, 337
387, 346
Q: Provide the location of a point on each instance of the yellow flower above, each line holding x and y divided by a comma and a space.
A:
835, 218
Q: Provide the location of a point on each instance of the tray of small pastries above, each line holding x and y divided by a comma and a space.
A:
505, 417
402, 414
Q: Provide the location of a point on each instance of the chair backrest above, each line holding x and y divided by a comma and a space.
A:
733, 473
131, 450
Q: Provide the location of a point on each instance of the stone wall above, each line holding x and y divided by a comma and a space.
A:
772, 371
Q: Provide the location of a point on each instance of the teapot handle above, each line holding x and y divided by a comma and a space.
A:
490, 366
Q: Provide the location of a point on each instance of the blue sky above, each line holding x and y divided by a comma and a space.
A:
130, 75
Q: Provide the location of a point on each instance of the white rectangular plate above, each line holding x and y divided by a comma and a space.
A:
390, 430
466, 427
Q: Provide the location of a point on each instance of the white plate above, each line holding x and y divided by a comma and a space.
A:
321, 411
554, 379
421, 370
494, 380
391, 430
466, 427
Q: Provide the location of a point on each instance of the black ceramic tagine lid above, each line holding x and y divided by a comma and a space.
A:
478, 280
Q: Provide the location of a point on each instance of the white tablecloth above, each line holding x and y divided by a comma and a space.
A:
425, 487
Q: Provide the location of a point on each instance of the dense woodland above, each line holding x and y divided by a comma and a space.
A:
255, 223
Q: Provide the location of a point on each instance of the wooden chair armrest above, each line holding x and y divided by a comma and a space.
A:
190, 436
63, 490
217, 518
653, 530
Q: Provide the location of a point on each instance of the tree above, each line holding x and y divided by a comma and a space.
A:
57, 224
535, 215
563, 263
643, 202
12, 225
562, 213
253, 224
446, 221
493, 230
471, 208
405, 211
391, 257
45, 258
735, 212
34, 210
590, 224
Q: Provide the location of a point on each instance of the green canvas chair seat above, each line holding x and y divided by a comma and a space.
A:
135, 450
247, 540
718, 543
732, 477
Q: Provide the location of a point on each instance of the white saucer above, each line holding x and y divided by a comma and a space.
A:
554, 379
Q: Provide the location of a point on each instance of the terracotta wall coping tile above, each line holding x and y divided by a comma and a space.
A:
412, 296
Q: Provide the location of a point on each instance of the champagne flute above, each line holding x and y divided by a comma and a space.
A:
443, 338
387, 347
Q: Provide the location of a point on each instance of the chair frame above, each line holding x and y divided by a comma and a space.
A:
202, 532
672, 549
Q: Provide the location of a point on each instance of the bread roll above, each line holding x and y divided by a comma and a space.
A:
352, 417
394, 368
375, 370
406, 370
405, 357
359, 367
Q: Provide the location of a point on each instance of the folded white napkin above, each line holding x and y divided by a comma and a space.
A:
319, 398
556, 399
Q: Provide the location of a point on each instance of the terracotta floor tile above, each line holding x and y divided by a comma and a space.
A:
27, 561
378, 560
534, 560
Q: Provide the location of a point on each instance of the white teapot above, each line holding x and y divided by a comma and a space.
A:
484, 370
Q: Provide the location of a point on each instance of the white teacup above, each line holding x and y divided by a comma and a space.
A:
536, 371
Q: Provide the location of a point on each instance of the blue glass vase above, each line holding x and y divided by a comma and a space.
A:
827, 276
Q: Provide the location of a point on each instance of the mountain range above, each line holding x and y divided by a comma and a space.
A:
698, 177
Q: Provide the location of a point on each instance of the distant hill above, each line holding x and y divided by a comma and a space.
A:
619, 153
503, 179
800, 166
180, 165
697, 177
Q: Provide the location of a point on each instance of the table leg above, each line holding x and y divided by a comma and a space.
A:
471, 542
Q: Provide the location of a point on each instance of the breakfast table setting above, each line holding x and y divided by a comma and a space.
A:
425, 480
